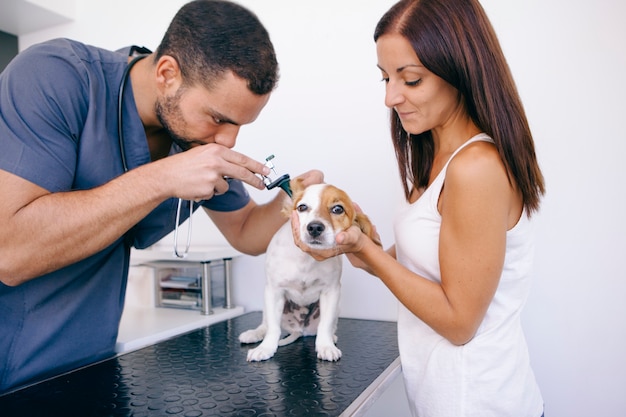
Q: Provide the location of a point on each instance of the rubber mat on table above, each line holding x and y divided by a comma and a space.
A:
205, 373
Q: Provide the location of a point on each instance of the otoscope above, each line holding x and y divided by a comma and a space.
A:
282, 181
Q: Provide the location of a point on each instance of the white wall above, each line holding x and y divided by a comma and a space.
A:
569, 61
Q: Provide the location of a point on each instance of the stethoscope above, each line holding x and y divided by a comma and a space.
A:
144, 52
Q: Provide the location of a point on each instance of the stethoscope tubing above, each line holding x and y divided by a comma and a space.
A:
120, 133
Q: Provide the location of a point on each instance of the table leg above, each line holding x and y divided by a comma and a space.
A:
228, 283
206, 289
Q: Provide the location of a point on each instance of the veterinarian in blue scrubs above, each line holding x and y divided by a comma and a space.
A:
462, 261
92, 164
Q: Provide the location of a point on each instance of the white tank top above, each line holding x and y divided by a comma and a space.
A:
490, 376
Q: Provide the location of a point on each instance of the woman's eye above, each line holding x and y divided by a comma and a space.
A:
302, 207
413, 83
385, 79
337, 209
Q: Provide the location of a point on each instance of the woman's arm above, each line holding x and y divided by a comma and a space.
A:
477, 205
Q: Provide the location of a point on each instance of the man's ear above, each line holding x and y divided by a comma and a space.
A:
168, 74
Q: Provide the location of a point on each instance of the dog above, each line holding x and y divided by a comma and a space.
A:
302, 294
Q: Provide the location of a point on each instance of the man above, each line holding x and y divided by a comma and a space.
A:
92, 163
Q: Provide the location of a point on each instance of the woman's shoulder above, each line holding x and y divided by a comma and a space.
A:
478, 164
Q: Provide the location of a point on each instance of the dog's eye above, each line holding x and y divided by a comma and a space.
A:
302, 207
338, 209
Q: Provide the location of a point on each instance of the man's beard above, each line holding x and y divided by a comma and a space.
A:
168, 111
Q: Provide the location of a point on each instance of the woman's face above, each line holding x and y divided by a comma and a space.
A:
422, 100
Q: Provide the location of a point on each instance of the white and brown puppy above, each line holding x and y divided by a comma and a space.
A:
302, 294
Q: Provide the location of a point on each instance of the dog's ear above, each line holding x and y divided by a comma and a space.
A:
366, 227
296, 192
296, 187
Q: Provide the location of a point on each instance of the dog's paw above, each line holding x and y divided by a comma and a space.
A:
328, 353
261, 353
251, 336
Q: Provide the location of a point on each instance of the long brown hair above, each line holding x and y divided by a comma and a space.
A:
455, 40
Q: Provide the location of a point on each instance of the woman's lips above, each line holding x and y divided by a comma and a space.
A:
403, 114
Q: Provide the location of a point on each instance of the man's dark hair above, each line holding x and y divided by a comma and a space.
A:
210, 37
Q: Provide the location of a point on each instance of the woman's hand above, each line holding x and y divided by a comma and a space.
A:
348, 241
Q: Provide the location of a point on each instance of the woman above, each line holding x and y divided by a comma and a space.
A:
462, 258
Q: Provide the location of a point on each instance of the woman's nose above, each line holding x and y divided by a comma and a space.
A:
227, 135
393, 94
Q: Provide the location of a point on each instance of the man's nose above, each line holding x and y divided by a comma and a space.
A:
227, 135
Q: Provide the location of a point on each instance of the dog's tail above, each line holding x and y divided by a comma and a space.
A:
290, 339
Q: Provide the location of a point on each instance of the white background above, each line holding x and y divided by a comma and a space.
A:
569, 61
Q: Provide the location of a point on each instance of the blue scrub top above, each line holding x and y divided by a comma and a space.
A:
58, 129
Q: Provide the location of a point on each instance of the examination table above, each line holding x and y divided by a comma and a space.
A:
205, 373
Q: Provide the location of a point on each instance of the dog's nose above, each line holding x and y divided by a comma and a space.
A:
315, 228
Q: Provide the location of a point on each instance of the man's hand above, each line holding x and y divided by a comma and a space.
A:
311, 177
200, 172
